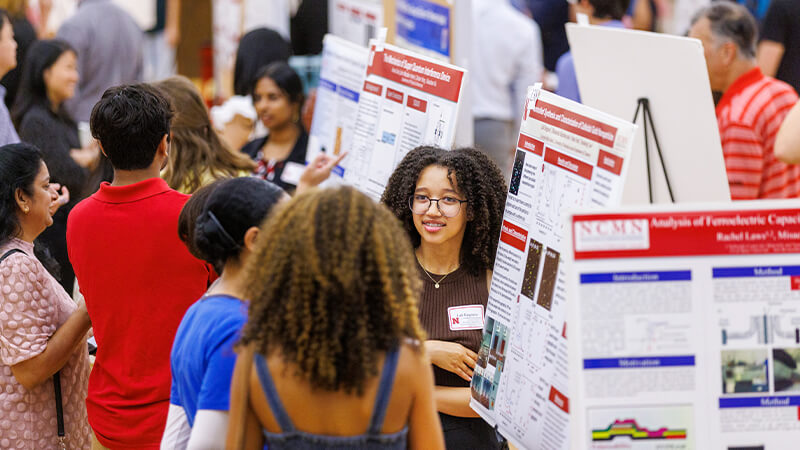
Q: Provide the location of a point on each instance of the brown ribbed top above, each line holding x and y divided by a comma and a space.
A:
458, 289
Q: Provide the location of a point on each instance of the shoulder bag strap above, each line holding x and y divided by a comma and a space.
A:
9, 253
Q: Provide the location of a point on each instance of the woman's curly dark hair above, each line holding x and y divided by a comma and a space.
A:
332, 285
477, 178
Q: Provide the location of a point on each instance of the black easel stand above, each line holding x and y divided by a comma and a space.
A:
644, 105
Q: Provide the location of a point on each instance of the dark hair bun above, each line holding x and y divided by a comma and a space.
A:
232, 209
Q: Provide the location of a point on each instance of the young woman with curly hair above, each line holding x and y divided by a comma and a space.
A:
333, 333
451, 206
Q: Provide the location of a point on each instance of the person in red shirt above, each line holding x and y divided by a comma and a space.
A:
752, 106
136, 275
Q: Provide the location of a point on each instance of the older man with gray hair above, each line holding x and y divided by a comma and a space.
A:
752, 106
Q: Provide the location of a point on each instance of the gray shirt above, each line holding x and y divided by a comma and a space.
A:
8, 135
109, 46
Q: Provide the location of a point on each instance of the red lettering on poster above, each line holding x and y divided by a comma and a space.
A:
568, 163
430, 77
688, 233
393, 95
559, 399
514, 236
373, 88
574, 123
796, 283
418, 104
530, 144
609, 162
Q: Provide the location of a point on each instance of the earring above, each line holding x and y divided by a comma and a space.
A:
296, 116
25, 210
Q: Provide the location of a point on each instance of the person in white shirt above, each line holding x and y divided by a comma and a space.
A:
506, 59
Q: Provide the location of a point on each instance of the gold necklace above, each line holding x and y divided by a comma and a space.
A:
435, 283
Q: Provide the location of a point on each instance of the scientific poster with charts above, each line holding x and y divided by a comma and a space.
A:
340, 80
568, 156
407, 100
685, 327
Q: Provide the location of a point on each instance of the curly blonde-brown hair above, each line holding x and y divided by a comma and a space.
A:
332, 285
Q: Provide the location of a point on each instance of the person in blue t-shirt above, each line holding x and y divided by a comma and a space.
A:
202, 356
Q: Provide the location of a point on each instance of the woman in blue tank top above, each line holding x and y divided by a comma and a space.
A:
331, 354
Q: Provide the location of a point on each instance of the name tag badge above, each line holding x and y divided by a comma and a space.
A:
469, 317
292, 172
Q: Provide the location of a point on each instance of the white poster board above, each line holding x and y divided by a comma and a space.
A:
341, 79
358, 21
684, 327
407, 100
568, 155
616, 67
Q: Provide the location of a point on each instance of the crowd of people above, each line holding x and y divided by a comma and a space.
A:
235, 303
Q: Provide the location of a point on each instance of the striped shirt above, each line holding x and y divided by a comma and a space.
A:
749, 115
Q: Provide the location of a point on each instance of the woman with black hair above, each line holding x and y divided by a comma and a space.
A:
451, 205
42, 331
49, 78
202, 356
235, 118
278, 97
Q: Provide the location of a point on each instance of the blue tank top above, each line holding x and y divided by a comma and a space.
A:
291, 438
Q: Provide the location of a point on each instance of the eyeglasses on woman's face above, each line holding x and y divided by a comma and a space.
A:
448, 206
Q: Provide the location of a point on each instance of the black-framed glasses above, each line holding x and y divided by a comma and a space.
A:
448, 206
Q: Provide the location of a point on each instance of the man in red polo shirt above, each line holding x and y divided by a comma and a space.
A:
752, 107
136, 275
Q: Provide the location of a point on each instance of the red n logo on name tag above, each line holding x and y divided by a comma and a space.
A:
454, 321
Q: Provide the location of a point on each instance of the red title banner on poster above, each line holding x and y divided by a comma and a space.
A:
418, 104
373, 88
696, 233
530, 144
429, 77
609, 162
513, 235
568, 163
397, 96
574, 123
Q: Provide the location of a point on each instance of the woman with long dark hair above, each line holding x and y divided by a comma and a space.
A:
42, 331
49, 78
278, 97
235, 119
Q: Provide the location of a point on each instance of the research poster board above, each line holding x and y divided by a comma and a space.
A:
568, 155
341, 79
424, 26
407, 100
684, 327
670, 71
358, 21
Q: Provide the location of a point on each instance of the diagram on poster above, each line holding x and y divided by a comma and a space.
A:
567, 156
685, 330
340, 81
407, 100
